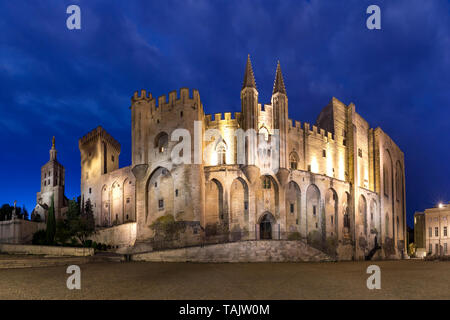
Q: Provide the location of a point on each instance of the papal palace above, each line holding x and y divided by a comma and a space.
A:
339, 184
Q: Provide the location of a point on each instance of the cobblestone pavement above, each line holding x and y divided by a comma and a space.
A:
411, 279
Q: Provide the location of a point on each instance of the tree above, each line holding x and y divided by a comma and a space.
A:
79, 223
5, 212
86, 225
25, 215
51, 224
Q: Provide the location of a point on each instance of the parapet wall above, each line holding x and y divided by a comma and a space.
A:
19, 231
123, 235
175, 98
46, 250
99, 132
222, 119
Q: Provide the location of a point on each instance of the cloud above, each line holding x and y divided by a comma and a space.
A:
53, 79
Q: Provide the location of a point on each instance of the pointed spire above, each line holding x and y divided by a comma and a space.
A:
53, 150
249, 78
278, 85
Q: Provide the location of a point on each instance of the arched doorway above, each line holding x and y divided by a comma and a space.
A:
266, 224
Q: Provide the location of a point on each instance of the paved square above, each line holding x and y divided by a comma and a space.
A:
134, 280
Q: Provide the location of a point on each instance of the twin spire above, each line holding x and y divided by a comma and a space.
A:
278, 85
249, 78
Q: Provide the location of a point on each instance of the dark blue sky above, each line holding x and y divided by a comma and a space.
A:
54, 81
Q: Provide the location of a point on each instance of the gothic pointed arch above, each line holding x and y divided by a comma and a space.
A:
214, 206
293, 206
331, 213
268, 195
313, 211
239, 202
159, 194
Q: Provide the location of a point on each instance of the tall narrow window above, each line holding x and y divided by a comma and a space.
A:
221, 154
346, 219
266, 183
293, 160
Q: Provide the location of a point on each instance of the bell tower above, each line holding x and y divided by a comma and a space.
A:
52, 183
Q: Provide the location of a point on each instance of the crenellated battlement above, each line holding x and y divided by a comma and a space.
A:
221, 119
318, 132
296, 125
99, 133
141, 96
167, 102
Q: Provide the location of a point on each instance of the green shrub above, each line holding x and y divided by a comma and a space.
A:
166, 228
87, 244
40, 238
294, 236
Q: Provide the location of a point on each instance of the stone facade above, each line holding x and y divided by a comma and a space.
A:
339, 185
436, 232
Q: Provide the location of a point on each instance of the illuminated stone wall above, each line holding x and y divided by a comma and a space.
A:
340, 184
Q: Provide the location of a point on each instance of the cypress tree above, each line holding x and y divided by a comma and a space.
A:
51, 224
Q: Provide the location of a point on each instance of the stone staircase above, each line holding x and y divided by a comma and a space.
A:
241, 251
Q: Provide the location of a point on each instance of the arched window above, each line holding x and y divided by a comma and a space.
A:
162, 141
346, 219
293, 161
266, 182
264, 132
221, 150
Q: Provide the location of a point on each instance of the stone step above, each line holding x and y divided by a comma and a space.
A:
36, 262
108, 257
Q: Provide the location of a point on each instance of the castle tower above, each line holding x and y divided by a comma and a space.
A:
99, 153
280, 114
249, 99
52, 184
141, 109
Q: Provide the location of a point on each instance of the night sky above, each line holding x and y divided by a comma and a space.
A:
55, 81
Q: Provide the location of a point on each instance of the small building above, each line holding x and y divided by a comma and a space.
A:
435, 235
